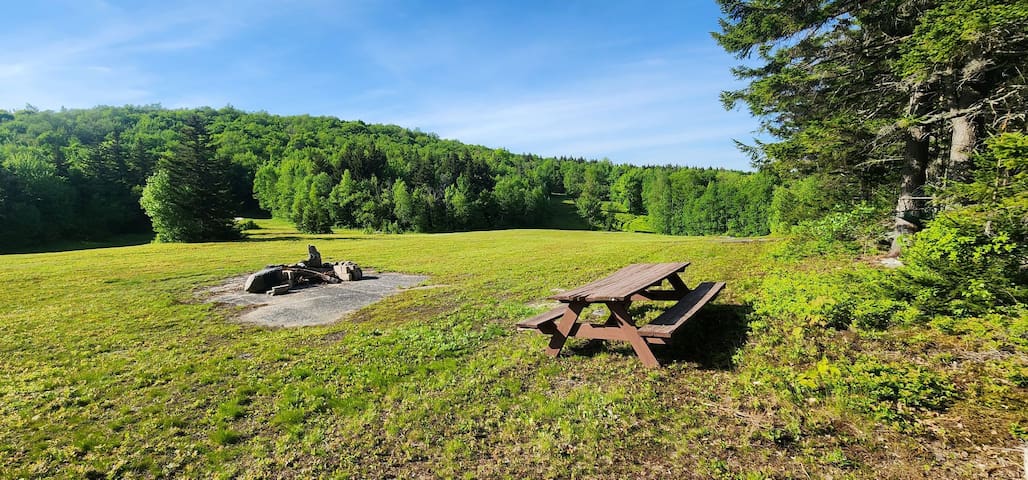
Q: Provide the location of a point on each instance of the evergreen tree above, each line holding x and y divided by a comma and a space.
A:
188, 198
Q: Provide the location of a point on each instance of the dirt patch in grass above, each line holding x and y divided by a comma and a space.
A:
313, 305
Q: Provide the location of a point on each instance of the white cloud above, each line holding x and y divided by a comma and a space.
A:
656, 110
53, 64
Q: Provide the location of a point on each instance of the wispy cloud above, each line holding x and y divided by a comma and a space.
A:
53, 64
654, 110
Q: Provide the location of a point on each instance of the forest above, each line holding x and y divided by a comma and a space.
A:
81, 175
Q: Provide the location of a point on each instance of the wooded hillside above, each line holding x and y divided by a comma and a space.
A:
79, 174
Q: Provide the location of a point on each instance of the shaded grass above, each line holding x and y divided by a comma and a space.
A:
563, 215
65, 246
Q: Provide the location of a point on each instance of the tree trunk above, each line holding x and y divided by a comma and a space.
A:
962, 144
915, 168
964, 137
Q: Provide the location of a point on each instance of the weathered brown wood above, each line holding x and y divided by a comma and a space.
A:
677, 283
617, 292
536, 322
621, 285
595, 331
567, 322
668, 322
631, 334
659, 295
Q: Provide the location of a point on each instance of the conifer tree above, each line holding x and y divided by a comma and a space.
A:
188, 197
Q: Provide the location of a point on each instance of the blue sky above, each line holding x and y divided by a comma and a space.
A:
635, 82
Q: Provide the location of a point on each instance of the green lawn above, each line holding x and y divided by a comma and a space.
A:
112, 368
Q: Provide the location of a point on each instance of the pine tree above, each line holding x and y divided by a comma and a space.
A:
188, 198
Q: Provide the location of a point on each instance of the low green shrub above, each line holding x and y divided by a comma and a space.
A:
972, 257
893, 393
247, 224
222, 435
794, 320
859, 229
876, 313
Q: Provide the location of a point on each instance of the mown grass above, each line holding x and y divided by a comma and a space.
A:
113, 366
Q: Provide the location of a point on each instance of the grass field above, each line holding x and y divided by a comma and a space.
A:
112, 367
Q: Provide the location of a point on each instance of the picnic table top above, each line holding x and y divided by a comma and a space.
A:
622, 284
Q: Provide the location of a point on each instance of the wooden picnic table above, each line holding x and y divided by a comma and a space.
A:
638, 282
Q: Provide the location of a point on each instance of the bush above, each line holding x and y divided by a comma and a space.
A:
247, 224
857, 230
972, 258
890, 392
954, 268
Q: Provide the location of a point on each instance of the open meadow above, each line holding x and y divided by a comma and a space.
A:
114, 367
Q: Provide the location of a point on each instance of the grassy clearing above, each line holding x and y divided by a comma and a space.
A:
112, 368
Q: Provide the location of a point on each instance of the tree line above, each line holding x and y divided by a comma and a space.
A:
88, 174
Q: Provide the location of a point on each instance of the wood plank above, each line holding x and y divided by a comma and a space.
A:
668, 322
659, 295
584, 291
642, 349
596, 331
559, 335
624, 283
535, 322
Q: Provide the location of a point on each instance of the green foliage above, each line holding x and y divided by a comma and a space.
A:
186, 198
894, 393
35, 201
857, 230
223, 435
594, 191
78, 174
708, 202
248, 224
627, 191
801, 200
956, 32
796, 317
971, 257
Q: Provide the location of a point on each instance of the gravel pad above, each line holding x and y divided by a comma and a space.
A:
313, 305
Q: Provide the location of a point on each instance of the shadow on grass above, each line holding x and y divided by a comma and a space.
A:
563, 215
287, 238
710, 339
128, 240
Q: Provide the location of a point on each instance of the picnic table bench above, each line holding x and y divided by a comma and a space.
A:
632, 283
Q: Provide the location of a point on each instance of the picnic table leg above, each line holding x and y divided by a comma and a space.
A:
612, 321
678, 284
631, 334
567, 322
